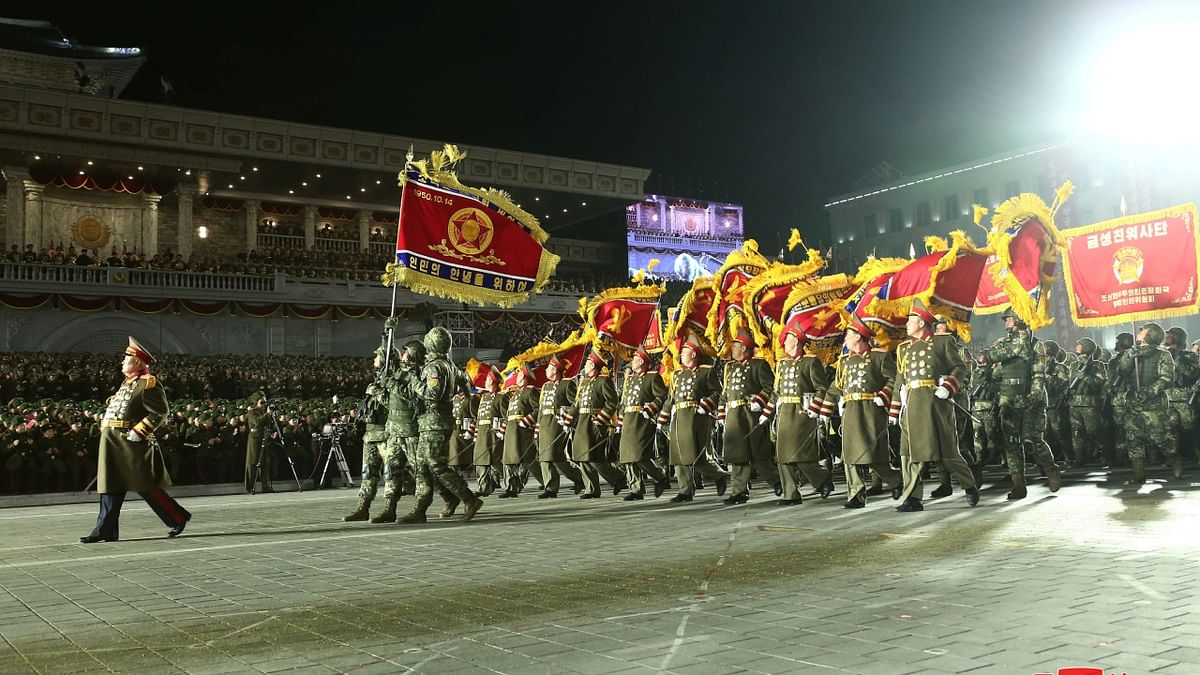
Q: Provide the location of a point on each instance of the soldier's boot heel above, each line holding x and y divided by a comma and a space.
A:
1019, 491
452, 503
414, 517
1139, 472
360, 512
473, 506
1176, 464
388, 515
1053, 477
944, 488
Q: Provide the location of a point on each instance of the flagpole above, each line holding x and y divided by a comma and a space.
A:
399, 223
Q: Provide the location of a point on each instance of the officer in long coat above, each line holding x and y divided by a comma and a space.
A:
128, 460
929, 370
800, 381
592, 418
555, 399
863, 382
747, 387
518, 431
489, 413
642, 396
687, 418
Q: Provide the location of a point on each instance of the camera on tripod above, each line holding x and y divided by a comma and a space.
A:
334, 429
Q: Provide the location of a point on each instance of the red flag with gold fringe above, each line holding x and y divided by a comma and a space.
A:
1135, 268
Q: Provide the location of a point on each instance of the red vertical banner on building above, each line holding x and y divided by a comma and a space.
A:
1134, 268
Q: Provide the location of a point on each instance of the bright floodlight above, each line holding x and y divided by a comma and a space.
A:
1143, 88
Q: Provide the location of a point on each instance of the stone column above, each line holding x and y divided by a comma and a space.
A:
186, 195
150, 224
33, 213
251, 207
310, 227
364, 230
14, 180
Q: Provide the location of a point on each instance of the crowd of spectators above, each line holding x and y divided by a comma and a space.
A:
49, 427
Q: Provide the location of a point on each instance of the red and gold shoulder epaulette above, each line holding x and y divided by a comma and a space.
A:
151, 381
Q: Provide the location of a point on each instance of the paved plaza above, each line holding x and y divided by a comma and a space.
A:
1094, 575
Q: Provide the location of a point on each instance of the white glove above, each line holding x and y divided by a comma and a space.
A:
893, 420
134, 436
646, 415
841, 406
823, 418
763, 419
659, 427
942, 392
811, 414
878, 400
755, 406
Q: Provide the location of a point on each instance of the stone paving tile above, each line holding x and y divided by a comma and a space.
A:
279, 584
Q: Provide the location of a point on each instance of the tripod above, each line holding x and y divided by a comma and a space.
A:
335, 452
264, 446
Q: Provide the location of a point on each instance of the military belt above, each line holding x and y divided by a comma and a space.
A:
515, 418
687, 404
486, 422
1012, 380
633, 408
736, 403
117, 424
861, 396
921, 384
547, 411
590, 411
796, 400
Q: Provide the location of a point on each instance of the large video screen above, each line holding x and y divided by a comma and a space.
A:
690, 238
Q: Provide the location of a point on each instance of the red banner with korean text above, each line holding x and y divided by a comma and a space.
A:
469, 244
1134, 268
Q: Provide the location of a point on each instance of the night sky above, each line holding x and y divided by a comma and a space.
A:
777, 105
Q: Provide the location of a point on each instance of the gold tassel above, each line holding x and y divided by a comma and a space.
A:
794, 240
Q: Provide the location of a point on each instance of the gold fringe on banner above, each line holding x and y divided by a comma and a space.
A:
1012, 215
778, 275
746, 259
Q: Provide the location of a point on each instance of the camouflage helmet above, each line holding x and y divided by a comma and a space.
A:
1154, 334
416, 351
1105, 354
1051, 349
1088, 344
1178, 335
437, 340
1010, 314
1125, 340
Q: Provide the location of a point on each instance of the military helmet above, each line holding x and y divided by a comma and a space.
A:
437, 340
1088, 344
1010, 314
1154, 334
1051, 349
1178, 335
1125, 340
416, 351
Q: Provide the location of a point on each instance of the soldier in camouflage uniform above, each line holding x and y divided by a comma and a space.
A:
930, 369
687, 418
1147, 371
863, 382
1084, 395
517, 430
374, 441
555, 399
748, 386
984, 393
435, 386
1113, 407
1180, 393
1022, 404
1058, 416
403, 431
642, 396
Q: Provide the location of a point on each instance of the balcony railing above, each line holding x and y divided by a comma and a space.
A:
266, 241
135, 277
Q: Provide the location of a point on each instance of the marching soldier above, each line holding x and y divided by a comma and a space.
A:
375, 439
488, 413
400, 458
941, 326
1149, 371
986, 439
1084, 395
1022, 404
129, 460
462, 441
746, 443
1180, 395
591, 418
556, 397
863, 383
434, 388
1116, 449
1058, 418
518, 431
800, 380
642, 395
929, 368
687, 418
